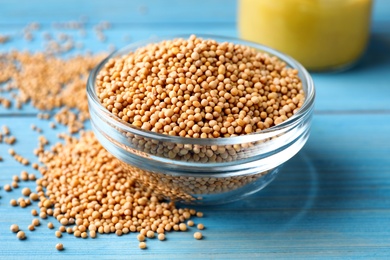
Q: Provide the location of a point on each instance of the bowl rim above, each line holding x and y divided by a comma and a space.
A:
305, 109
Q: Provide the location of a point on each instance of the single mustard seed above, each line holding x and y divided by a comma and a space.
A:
62, 229
13, 202
26, 191
31, 227
50, 225
200, 226
150, 234
142, 245
141, 237
7, 187
15, 184
161, 236
14, 228
34, 196
60, 247
34, 212
190, 223
198, 235
199, 214
36, 222
21, 235
182, 227
58, 234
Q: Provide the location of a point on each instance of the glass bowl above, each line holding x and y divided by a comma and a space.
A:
203, 170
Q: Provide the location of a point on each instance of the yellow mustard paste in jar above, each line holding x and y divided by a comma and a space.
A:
321, 34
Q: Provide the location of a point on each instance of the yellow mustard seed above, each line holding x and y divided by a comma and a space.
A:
36, 222
59, 247
7, 187
141, 237
31, 227
21, 235
13, 202
26, 191
142, 245
161, 236
14, 228
200, 226
198, 235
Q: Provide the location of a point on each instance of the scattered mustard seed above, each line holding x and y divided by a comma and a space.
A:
13, 202
200, 226
36, 222
58, 234
14, 228
7, 187
60, 247
142, 245
21, 235
31, 227
182, 227
198, 235
141, 237
161, 236
150, 234
50, 225
26, 191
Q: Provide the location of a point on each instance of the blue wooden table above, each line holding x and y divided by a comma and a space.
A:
331, 200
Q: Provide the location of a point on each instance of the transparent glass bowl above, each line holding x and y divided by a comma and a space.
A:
202, 170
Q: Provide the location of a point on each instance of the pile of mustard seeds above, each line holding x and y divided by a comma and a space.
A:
82, 186
86, 186
49, 82
199, 88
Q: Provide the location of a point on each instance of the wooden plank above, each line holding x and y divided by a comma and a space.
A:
330, 200
119, 11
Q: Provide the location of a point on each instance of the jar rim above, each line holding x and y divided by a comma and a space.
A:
304, 75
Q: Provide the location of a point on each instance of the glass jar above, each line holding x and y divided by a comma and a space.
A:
234, 167
320, 34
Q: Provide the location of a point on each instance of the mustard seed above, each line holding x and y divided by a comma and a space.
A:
141, 237
150, 234
190, 223
161, 236
15, 184
34, 212
31, 227
142, 245
36, 222
59, 247
182, 227
21, 235
7, 187
200, 226
199, 214
33, 196
50, 225
14, 228
198, 235
92, 234
58, 234
13, 202
26, 191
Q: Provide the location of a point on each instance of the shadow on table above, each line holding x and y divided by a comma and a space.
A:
295, 196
